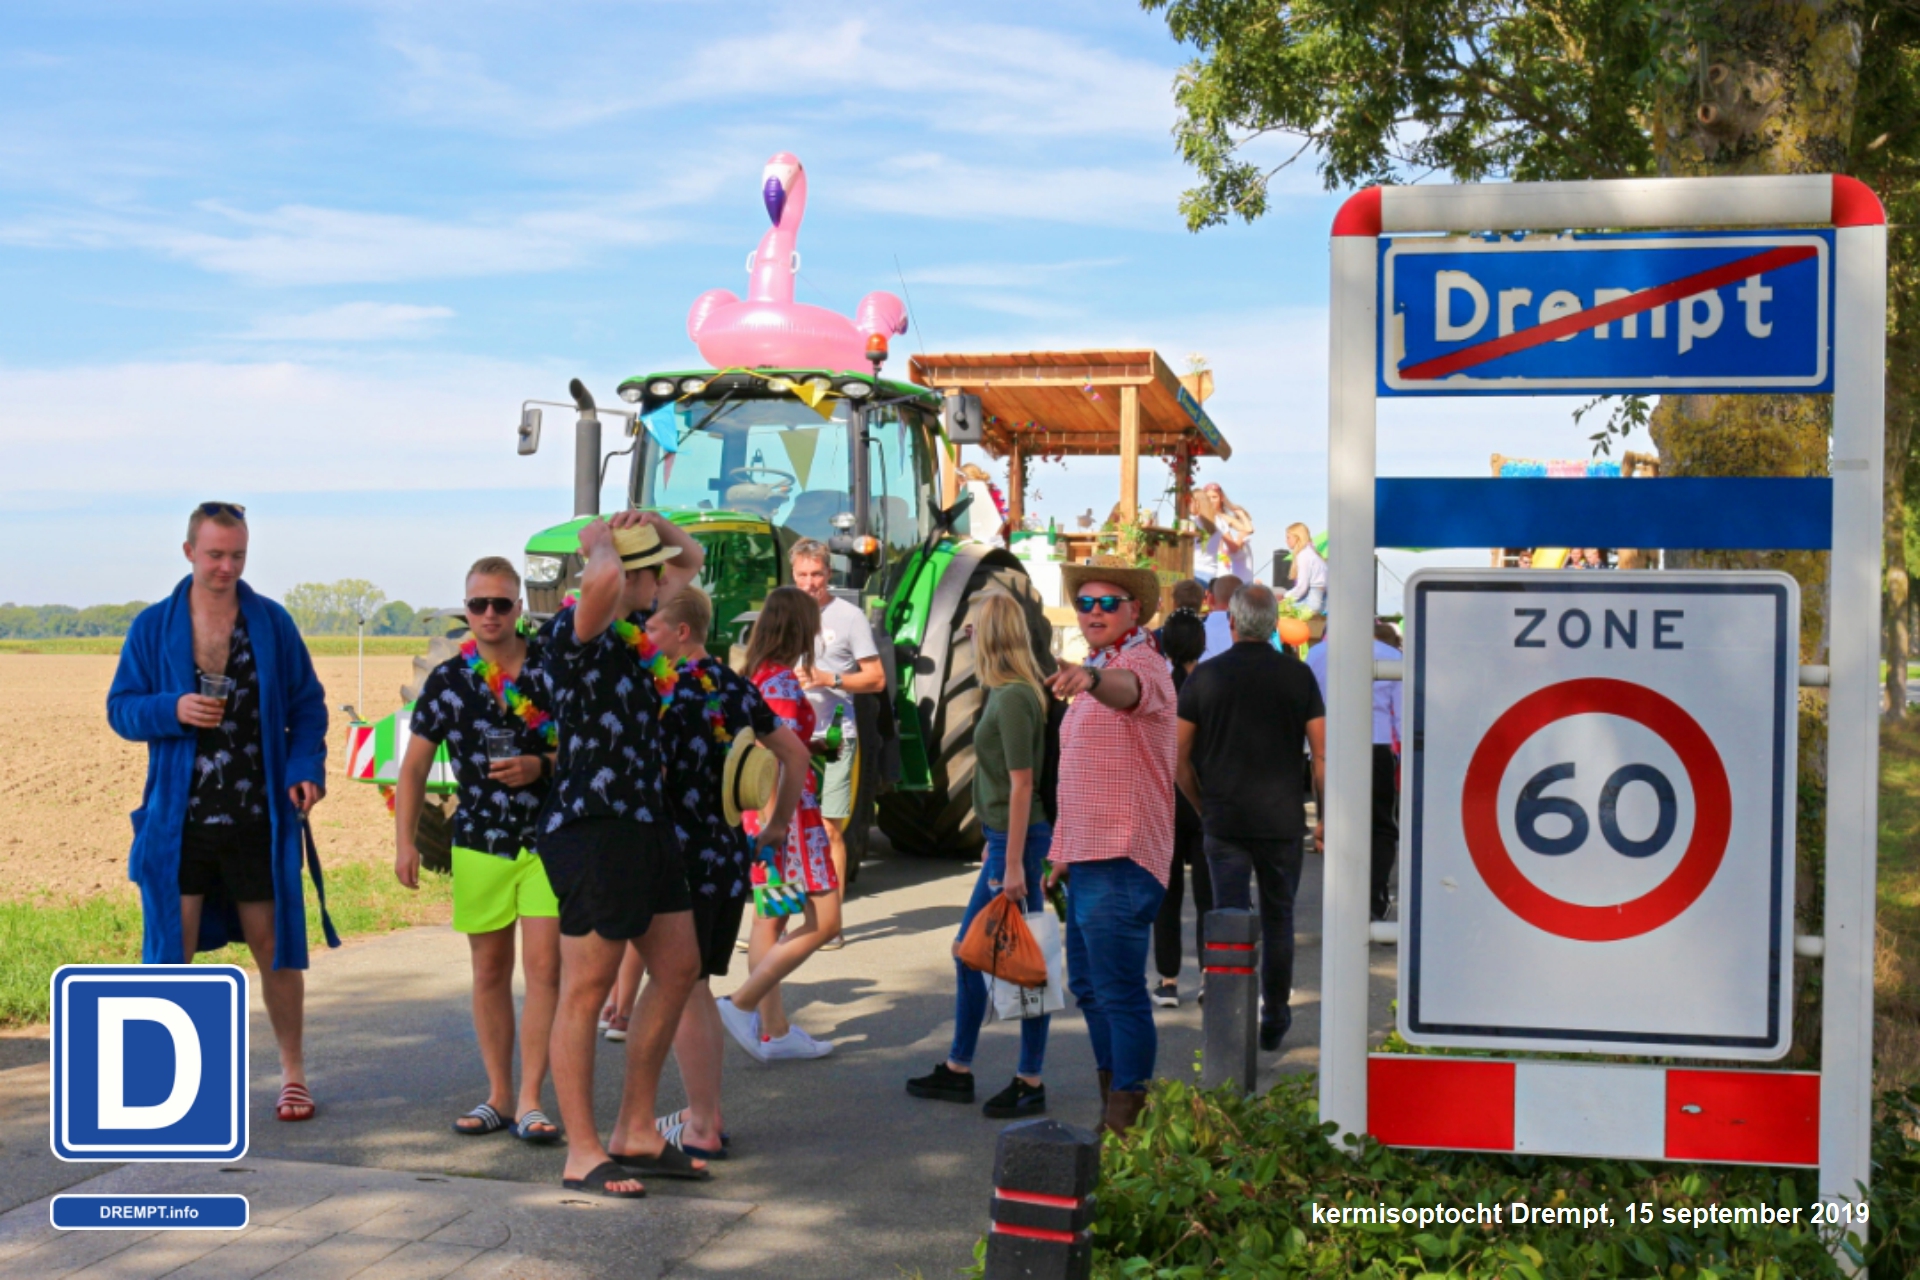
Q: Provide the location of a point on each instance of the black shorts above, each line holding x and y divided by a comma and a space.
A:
613, 876
716, 923
231, 860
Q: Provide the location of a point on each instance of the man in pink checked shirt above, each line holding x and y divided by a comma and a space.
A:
1114, 834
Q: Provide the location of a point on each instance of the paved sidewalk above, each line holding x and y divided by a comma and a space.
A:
835, 1172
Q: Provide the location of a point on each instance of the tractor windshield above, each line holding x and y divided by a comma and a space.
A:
780, 460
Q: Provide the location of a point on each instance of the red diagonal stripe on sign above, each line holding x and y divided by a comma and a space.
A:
1631, 305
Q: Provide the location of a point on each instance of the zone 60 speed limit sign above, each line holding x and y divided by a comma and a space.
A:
1597, 854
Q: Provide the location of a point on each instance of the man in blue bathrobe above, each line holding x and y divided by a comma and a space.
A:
218, 684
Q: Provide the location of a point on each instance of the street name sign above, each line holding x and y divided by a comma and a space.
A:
1599, 791
1728, 311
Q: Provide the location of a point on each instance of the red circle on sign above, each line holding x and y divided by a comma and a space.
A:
1712, 810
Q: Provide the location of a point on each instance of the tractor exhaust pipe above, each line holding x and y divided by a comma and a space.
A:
586, 452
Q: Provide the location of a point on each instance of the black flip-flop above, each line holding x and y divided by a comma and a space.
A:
672, 1162
603, 1173
491, 1121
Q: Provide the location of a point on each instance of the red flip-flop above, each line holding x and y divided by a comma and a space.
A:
295, 1104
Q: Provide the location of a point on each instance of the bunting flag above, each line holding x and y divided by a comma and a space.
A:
801, 442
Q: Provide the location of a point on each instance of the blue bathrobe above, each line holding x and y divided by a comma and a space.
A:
156, 667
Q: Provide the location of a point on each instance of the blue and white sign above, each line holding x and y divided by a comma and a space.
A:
1725, 312
149, 1062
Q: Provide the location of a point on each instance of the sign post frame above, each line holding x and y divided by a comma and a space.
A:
1859, 403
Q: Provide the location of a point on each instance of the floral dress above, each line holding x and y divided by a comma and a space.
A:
808, 857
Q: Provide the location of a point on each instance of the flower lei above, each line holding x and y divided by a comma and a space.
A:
516, 702
715, 716
657, 664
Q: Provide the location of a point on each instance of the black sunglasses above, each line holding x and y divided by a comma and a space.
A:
497, 604
1108, 604
233, 509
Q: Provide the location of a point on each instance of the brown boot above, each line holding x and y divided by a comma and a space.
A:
1106, 1084
1123, 1108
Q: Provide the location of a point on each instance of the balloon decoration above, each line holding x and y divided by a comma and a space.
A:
768, 329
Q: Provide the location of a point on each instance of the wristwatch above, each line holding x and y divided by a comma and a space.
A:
1094, 675
836, 679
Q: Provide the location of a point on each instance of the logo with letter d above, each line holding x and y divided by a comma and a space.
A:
149, 1062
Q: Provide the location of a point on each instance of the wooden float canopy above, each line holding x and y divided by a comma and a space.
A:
1082, 404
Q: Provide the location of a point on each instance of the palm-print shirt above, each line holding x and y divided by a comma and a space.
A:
611, 762
457, 708
229, 771
711, 705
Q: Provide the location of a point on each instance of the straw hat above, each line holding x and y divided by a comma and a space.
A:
1142, 584
639, 545
751, 776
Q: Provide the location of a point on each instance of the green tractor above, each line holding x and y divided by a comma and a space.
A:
750, 462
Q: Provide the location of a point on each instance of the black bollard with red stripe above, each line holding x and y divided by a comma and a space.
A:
1232, 1017
1043, 1178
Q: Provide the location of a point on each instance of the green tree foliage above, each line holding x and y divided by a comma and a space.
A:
334, 608
49, 621
1380, 92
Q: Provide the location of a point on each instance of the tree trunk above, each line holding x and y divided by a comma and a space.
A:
1772, 93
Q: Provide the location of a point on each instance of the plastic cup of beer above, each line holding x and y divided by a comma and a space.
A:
502, 744
220, 687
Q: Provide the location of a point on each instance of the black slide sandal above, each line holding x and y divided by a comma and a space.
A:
672, 1162
602, 1174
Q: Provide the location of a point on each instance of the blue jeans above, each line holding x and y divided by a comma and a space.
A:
1111, 906
970, 985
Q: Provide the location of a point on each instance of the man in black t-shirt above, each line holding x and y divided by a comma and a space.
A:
606, 837
1246, 718
491, 709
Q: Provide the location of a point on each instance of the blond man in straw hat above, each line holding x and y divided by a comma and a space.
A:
1114, 832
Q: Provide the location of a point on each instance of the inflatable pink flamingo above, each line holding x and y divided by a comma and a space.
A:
768, 329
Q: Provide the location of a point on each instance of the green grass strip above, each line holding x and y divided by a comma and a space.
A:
37, 938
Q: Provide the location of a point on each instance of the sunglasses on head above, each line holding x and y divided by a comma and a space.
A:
231, 509
1108, 604
494, 604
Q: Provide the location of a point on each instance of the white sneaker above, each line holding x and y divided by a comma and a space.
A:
744, 1027
795, 1044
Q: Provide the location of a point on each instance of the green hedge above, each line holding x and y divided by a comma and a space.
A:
1214, 1185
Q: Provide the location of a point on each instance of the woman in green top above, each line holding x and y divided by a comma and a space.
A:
1009, 744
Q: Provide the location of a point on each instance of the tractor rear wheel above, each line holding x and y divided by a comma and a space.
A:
941, 822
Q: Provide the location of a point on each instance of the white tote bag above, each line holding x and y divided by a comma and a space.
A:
1011, 1003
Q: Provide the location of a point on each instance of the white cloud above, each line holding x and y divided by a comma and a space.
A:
309, 245
999, 81
351, 322
934, 185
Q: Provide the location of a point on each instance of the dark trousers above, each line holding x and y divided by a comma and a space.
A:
1386, 825
1188, 851
1236, 864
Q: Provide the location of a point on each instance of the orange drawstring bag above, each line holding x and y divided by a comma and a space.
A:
999, 944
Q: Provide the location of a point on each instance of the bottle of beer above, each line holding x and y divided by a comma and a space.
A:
834, 735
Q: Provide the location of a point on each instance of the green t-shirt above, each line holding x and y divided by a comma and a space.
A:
1012, 734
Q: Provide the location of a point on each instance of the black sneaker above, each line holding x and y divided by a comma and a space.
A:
1167, 995
1017, 1101
943, 1084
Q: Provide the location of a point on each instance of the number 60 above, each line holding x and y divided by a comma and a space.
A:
1533, 806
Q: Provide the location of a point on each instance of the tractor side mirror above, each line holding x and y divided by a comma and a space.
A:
529, 431
962, 420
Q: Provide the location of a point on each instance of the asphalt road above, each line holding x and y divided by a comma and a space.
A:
835, 1171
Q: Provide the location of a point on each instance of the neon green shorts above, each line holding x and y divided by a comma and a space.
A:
491, 892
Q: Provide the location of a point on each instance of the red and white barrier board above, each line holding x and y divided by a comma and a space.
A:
360, 751
1608, 1110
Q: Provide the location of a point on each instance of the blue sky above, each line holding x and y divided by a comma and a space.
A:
311, 257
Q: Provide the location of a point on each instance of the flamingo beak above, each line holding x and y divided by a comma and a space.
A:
776, 184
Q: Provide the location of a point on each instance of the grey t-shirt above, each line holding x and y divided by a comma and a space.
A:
845, 639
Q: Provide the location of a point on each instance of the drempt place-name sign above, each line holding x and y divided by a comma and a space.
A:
1723, 312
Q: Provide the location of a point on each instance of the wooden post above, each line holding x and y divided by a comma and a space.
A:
1183, 505
1130, 453
1016, 486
